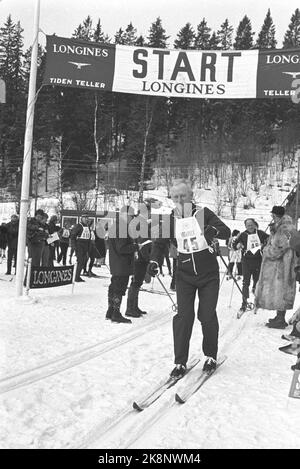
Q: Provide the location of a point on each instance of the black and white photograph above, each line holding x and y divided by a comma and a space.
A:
149, 227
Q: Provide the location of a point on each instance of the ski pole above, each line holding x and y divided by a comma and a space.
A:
174, 305
250, 305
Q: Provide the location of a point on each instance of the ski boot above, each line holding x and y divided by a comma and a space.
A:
116, 315
178, 372
131, 310
210, 365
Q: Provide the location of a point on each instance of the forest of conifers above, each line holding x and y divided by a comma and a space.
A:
86, 131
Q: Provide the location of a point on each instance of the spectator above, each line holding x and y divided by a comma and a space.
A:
36, 237
64, 237
276, 287
12, 230
251, 241
3, 240
122, 251
80, 240
45, 259
53, 228
234, 256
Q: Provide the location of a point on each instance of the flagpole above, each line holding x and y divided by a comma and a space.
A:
24, 202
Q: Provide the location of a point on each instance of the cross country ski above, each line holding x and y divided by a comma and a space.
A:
161, 389
188, 391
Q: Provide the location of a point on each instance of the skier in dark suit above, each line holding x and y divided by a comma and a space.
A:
192, 229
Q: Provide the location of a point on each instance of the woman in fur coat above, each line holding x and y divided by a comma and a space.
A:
276, 286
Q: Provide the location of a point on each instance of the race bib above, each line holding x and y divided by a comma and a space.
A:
65, 233
86, 234
253, 243
189, 235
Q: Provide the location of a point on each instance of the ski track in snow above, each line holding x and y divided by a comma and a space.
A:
89, 405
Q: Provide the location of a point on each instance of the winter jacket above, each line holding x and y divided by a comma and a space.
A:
276, 287
64, 235
12, 230
242, 240
77, 233
3, 236
196, 263
36, 232
121, 254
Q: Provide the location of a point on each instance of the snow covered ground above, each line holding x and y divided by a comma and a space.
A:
68, 377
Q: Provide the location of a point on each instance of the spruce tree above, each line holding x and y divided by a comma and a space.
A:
225, 35
12, 114
130, 35
244, 35
292, 35
202, 36
157, 35
85, 30
214, 41
98, 35
266, 37
185, 38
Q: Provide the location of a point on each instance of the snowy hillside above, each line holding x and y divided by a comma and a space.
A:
69, 377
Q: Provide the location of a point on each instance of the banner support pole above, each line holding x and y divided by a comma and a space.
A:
29, 264
73, 279
24, 202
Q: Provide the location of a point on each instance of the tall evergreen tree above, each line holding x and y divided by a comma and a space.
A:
120, 37
12, 114
98, 35
85, 30
202, 36
185, 38
292, 35
225, 35
130, 35
157, 35
214, 41
140, 41
266, 37
244, 35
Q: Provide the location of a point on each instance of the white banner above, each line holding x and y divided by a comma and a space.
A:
190, 74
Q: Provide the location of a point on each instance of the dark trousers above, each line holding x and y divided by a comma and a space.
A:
139, 272
63, 253
118, 284
81, 254
250, 268
51, 255
35, 253
239, 268
207, 287
11, 254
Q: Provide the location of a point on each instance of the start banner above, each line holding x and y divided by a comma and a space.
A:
227, 74
46, 277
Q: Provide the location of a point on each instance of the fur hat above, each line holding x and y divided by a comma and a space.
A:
278, 210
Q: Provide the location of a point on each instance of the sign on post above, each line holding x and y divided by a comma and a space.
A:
47, 277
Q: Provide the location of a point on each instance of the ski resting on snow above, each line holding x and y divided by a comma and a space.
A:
158, 391
190, 390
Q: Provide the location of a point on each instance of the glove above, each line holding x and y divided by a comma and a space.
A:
209, 233
153, 268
